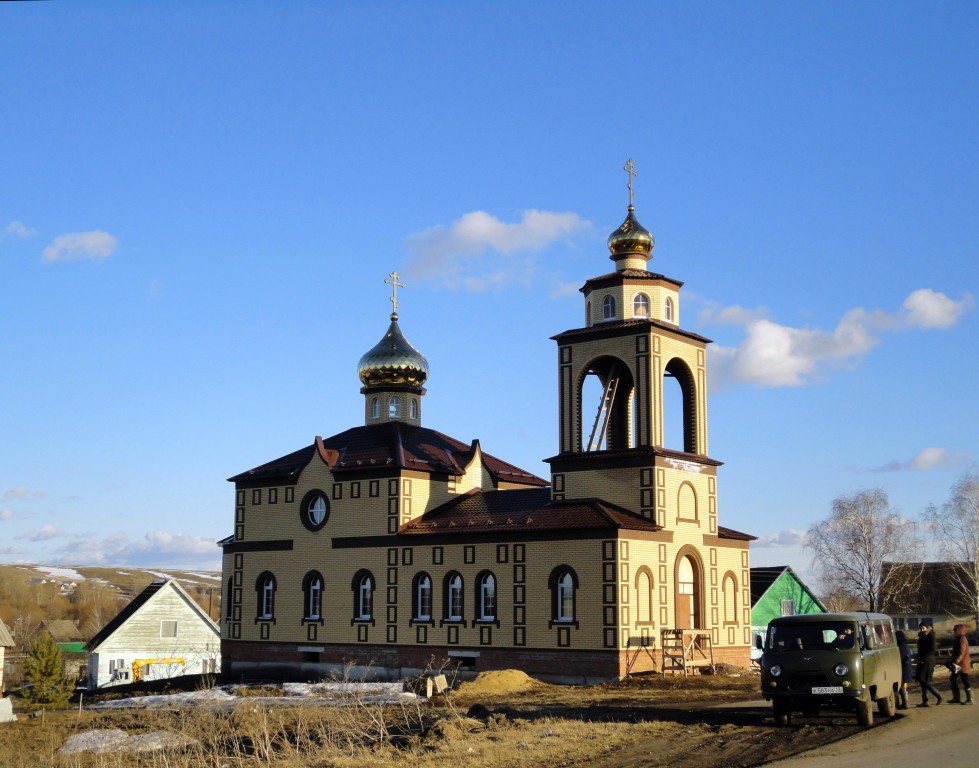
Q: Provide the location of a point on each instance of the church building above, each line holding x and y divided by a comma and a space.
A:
392, 548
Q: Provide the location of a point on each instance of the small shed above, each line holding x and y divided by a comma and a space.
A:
6, 641
65, 635
162, 633
778, 591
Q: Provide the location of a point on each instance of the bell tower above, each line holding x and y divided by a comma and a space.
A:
617, 374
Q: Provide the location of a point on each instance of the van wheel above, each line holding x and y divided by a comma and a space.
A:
886, 706
783, 715
865, 712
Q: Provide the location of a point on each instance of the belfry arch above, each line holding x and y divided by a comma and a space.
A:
680, 406
606, 394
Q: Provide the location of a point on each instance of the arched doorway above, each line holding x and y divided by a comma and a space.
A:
689, 589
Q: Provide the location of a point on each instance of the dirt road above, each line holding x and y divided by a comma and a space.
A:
946, 734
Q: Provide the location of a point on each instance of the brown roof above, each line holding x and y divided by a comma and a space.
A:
630, 326
523, 509
630, 275
730, 533
63, 631
392, 445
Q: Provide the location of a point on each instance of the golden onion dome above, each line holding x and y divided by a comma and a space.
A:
393, 361
631, 237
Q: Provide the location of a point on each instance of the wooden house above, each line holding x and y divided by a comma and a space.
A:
6, 641
393, 547
778, 591
162, 633
944, 597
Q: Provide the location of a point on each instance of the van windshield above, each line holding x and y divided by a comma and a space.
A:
811, 637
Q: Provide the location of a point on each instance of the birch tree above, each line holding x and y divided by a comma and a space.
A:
851, 546
955, 526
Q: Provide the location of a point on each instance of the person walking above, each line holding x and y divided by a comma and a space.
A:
961, 665
907, 668
926, 664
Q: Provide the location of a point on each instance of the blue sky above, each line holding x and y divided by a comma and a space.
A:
200, 202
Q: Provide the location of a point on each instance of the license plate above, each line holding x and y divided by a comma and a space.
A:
828, 689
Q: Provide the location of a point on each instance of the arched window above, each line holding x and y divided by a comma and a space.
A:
453, 597
644, 597
422, 594
413, 408
668, 310
314, 510
376, 408
265, 585
363, 586
686, 498
608, 308
730, 592
564, 584
394, 407
313, 596
640, 305
487, 597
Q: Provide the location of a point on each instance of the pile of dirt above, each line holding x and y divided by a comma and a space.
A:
495, 682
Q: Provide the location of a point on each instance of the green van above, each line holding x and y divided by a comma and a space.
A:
837, 660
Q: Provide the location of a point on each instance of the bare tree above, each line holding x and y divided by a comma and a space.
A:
956, 529
852, 545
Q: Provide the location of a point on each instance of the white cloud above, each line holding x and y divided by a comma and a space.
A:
20, 492
16, 229
156, 549
6, 514
927, 459
479, 251
95, 245
44, 533
774, 355
12, 550
790, 537
931, 309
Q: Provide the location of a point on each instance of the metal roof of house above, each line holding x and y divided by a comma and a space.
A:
392, 445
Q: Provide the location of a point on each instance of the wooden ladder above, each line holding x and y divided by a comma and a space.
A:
600, 428
686, 649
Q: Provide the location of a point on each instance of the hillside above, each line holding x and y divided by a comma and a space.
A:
89, 596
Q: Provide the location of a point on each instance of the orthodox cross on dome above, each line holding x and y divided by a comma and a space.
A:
393, 282
630, 168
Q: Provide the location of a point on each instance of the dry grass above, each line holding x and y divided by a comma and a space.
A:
501, 719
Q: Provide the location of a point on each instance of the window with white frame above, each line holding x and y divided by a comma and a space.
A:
394, 407
423, 598
313, 596
376, 408
413, 408
608, 308
640, 305
668, 310
453, 594
564, 602
487, 597
168, 628
365, 597
788, 607
266, 596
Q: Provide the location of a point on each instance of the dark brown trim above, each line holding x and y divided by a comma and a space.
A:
271, 545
